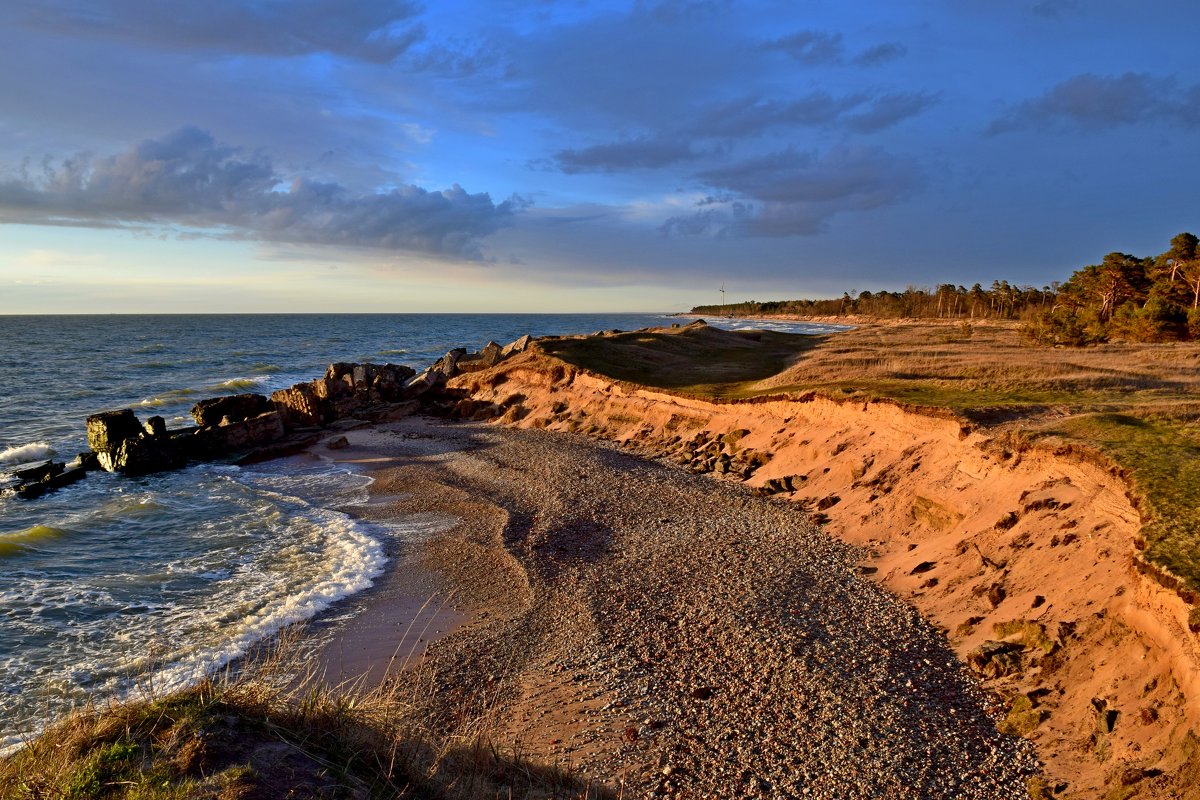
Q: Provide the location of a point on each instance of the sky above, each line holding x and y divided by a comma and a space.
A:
390, 155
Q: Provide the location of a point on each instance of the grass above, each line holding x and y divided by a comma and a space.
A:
694, 360
263, 733
1136, 403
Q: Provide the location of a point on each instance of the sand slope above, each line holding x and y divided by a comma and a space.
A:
1028, 547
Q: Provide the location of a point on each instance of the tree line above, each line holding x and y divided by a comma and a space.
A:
1124, 296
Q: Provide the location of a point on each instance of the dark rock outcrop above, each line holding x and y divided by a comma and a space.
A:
106, 431
234, 407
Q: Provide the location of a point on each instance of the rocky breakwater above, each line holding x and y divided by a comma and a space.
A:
248, 427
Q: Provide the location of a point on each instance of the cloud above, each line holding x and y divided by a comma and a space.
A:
1094, 102
639, 153
792, 192
742, 119
810, 48
889, 110
188, 179
372, 30
880, 54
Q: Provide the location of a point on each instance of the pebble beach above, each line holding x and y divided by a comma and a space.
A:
660, 633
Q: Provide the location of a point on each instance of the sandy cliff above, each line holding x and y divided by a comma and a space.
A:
1029, 549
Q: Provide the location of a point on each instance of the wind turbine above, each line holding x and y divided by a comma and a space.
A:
722, 298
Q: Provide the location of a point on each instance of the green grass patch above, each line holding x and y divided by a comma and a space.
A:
698, 361
1163, 458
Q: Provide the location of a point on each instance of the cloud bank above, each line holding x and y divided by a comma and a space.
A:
188, 179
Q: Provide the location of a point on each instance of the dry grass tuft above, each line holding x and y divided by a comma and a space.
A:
266, 732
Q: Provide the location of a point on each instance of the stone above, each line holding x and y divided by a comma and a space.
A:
155, 426
302, 405
389, 380
106, 431
142, 456
226, 439
236, 407
447, 365
338, 371
422, 383
996, 659
37, 471
519, 346
338, 443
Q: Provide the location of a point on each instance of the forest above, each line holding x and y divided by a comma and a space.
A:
1146, 299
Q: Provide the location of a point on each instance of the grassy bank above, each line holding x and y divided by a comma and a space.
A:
1135, 403
265, 734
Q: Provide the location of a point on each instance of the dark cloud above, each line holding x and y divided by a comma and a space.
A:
188, 179
880, 54
748, 116
890, 109
1092, 102
372, 30
741, 119
792, 192
639, 153
811, 48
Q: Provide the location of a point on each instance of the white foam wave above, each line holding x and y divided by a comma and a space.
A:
24, 453
237, 384
353, 560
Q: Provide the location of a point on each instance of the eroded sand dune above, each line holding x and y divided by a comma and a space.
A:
1032, 549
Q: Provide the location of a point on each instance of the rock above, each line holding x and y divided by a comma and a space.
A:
996, 659
519, 346
447, 365
924, 566
142, 456
390, 379
106, 431
339, 371
226, 439
37, 471
61, 478
302, 405
422, 383
338, 443
155, 426
236, 407
87, 461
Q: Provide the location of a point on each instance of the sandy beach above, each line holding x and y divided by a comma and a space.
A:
659, 632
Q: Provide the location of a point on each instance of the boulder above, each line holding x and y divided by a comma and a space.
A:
489, 356
422, 383
339, 371
236, 407
141, 456
338, 443
307, 404
996, 659
155, 426
37, 471
106, 431
519, 346
389, 379
227, 439
447, 365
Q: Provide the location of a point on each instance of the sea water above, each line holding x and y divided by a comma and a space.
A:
117, 584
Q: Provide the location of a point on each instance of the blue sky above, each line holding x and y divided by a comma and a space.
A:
317, 155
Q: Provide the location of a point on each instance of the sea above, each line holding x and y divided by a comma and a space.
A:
117, 585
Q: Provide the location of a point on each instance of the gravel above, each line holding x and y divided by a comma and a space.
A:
682, 638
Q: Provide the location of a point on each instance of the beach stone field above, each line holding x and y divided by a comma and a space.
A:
664, 634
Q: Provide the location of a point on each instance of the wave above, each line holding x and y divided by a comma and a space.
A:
22, 454
266, 369
239, 384
18, 542
399, 352
167, 397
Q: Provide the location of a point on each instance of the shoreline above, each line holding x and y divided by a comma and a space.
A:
572, 664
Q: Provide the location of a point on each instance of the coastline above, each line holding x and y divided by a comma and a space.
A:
615, 596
